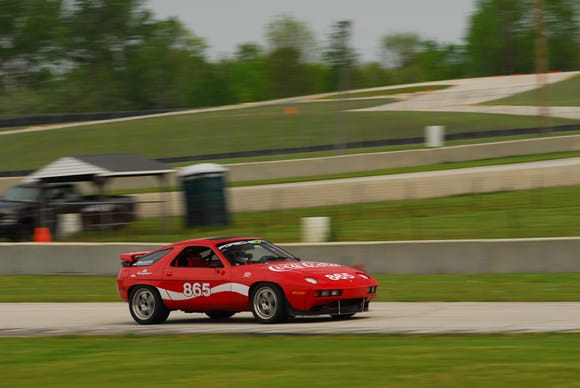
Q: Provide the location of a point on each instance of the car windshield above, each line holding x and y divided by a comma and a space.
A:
253, 252
22, 194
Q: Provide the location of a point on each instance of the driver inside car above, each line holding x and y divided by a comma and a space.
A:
238, 256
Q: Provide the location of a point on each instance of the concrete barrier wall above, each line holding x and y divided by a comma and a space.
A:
423, 257
396, 159
433, 184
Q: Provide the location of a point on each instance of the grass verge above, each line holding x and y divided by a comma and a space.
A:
531, 360
554, 287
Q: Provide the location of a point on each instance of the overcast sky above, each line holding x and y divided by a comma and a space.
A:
226, 23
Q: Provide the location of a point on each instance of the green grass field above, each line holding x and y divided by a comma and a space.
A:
242, 130
201, 134
532, 360
563, 93
268, 127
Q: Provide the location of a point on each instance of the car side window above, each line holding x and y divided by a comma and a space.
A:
197, 257
151, 258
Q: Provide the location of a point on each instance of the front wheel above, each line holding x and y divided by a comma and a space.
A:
146, 306
268, 304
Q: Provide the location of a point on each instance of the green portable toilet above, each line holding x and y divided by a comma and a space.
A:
204, 194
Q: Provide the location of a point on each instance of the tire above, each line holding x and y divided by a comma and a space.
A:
24, 233
146, 306
268, 304
219, 314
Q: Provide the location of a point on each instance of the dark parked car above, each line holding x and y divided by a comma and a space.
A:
27, 206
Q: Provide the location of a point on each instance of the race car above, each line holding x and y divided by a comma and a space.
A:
223, 276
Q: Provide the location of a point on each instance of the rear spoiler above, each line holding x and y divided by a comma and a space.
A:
128, 259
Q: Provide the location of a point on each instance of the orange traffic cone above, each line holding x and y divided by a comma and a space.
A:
42, 235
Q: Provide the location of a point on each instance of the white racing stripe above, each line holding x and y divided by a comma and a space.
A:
237, 288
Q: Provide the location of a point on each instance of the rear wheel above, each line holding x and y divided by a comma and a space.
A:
219, 314
23, 233
269, 304
146, 306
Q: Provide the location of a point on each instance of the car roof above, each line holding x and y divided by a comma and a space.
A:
44, 185
214, 240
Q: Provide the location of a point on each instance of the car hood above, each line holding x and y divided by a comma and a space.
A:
7, 207
309, 267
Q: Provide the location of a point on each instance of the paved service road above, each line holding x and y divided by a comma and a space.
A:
44, 319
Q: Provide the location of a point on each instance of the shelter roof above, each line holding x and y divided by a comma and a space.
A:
92, 167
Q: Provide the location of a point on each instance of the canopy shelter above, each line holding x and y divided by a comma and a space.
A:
98, 169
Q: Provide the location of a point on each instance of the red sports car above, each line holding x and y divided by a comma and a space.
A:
223, 276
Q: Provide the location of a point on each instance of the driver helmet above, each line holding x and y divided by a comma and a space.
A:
237, 256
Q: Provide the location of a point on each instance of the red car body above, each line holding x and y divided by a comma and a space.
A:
223, 276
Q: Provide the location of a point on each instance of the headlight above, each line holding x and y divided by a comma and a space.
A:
323, 293
311, 280
364, 276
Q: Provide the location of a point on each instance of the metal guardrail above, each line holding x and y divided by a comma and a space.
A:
367, 143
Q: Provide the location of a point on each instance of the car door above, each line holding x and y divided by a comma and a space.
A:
193, 278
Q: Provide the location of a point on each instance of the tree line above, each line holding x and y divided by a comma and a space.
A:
69, 56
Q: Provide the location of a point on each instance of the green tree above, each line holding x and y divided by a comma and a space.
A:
400, 49
99, 35
372, 74
340, 57
500, 39
291, 47
563, 34
246, 73
166, 67
287, 32
285, 73
214, 86
29, 40
441, 61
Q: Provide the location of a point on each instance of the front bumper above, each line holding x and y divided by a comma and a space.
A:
336, 308
352, 301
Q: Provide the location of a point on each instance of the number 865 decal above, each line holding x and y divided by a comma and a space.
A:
339, 276
196, 289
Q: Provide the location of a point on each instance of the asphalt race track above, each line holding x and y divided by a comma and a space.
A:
49, 319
